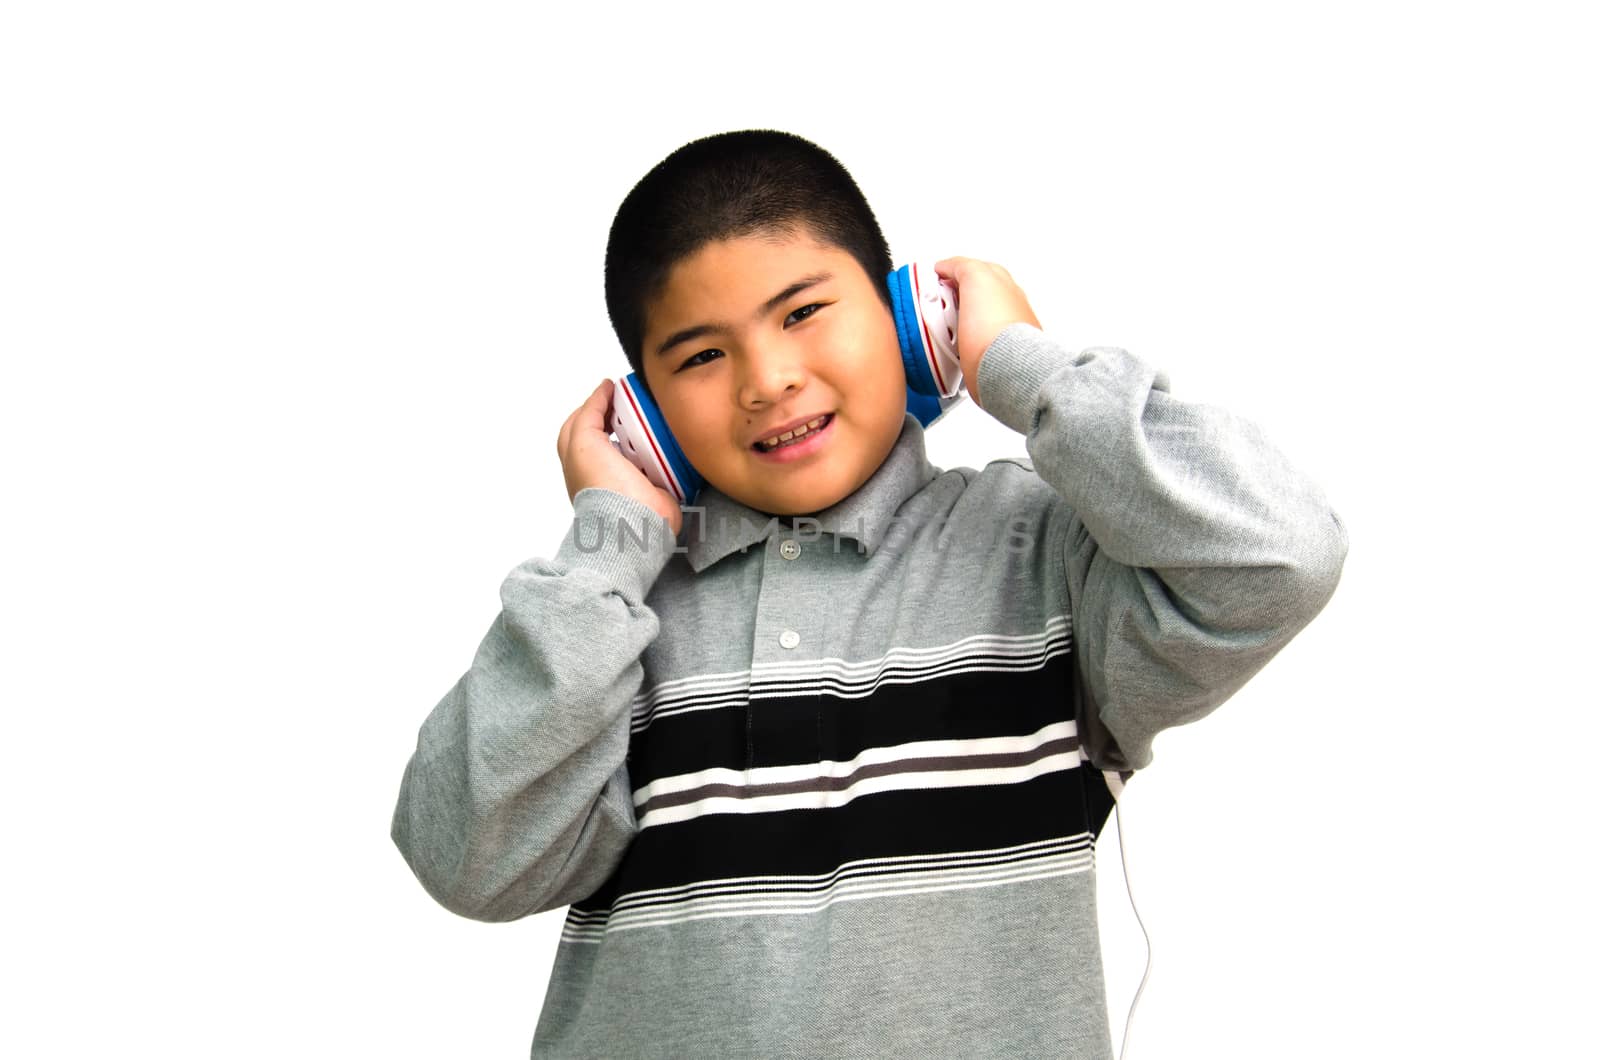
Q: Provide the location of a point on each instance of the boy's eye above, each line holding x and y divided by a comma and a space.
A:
801, 312
692, 361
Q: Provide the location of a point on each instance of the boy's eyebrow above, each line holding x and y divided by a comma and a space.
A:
766, 307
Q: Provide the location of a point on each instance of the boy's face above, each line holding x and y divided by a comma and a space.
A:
770, 355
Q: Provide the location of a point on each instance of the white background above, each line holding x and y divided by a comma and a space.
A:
296, 295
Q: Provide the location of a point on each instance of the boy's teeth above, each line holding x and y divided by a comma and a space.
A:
773, 443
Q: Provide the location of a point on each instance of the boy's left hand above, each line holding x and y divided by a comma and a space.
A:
988, 301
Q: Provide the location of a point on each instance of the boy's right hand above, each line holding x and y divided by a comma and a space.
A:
590, 459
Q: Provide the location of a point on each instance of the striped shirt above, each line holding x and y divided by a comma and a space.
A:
831, 785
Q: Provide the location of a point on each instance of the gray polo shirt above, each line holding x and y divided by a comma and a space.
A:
831, 786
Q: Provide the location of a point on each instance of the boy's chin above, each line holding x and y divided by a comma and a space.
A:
791, 507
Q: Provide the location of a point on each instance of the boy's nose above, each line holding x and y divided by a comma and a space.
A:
768, 377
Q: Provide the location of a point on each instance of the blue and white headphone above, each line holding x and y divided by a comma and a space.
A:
924, 308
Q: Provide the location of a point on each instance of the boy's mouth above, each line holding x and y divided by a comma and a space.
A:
798, 444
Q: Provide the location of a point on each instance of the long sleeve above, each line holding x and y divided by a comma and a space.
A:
517, 798
1192, 550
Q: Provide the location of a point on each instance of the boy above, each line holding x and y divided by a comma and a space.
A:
819, 763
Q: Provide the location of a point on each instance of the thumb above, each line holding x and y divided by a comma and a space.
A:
598, 402
950, 269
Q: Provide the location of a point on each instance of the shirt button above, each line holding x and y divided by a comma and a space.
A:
789, 549
788, 638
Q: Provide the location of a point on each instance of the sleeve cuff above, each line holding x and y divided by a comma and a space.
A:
1013, 370
623, 540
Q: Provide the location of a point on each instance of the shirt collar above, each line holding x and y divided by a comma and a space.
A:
717, 525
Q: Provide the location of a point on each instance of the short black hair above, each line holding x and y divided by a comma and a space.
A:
727, 186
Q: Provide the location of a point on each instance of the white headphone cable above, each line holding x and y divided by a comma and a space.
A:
1149, 954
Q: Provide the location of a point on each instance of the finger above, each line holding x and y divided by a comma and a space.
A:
599, 403
592, 412
561, 435
578, 417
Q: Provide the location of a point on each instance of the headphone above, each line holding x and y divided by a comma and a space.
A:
924, 308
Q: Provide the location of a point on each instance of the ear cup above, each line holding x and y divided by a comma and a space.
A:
644, 438
925, 316
927, 408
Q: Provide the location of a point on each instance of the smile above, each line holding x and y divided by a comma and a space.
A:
797, 445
